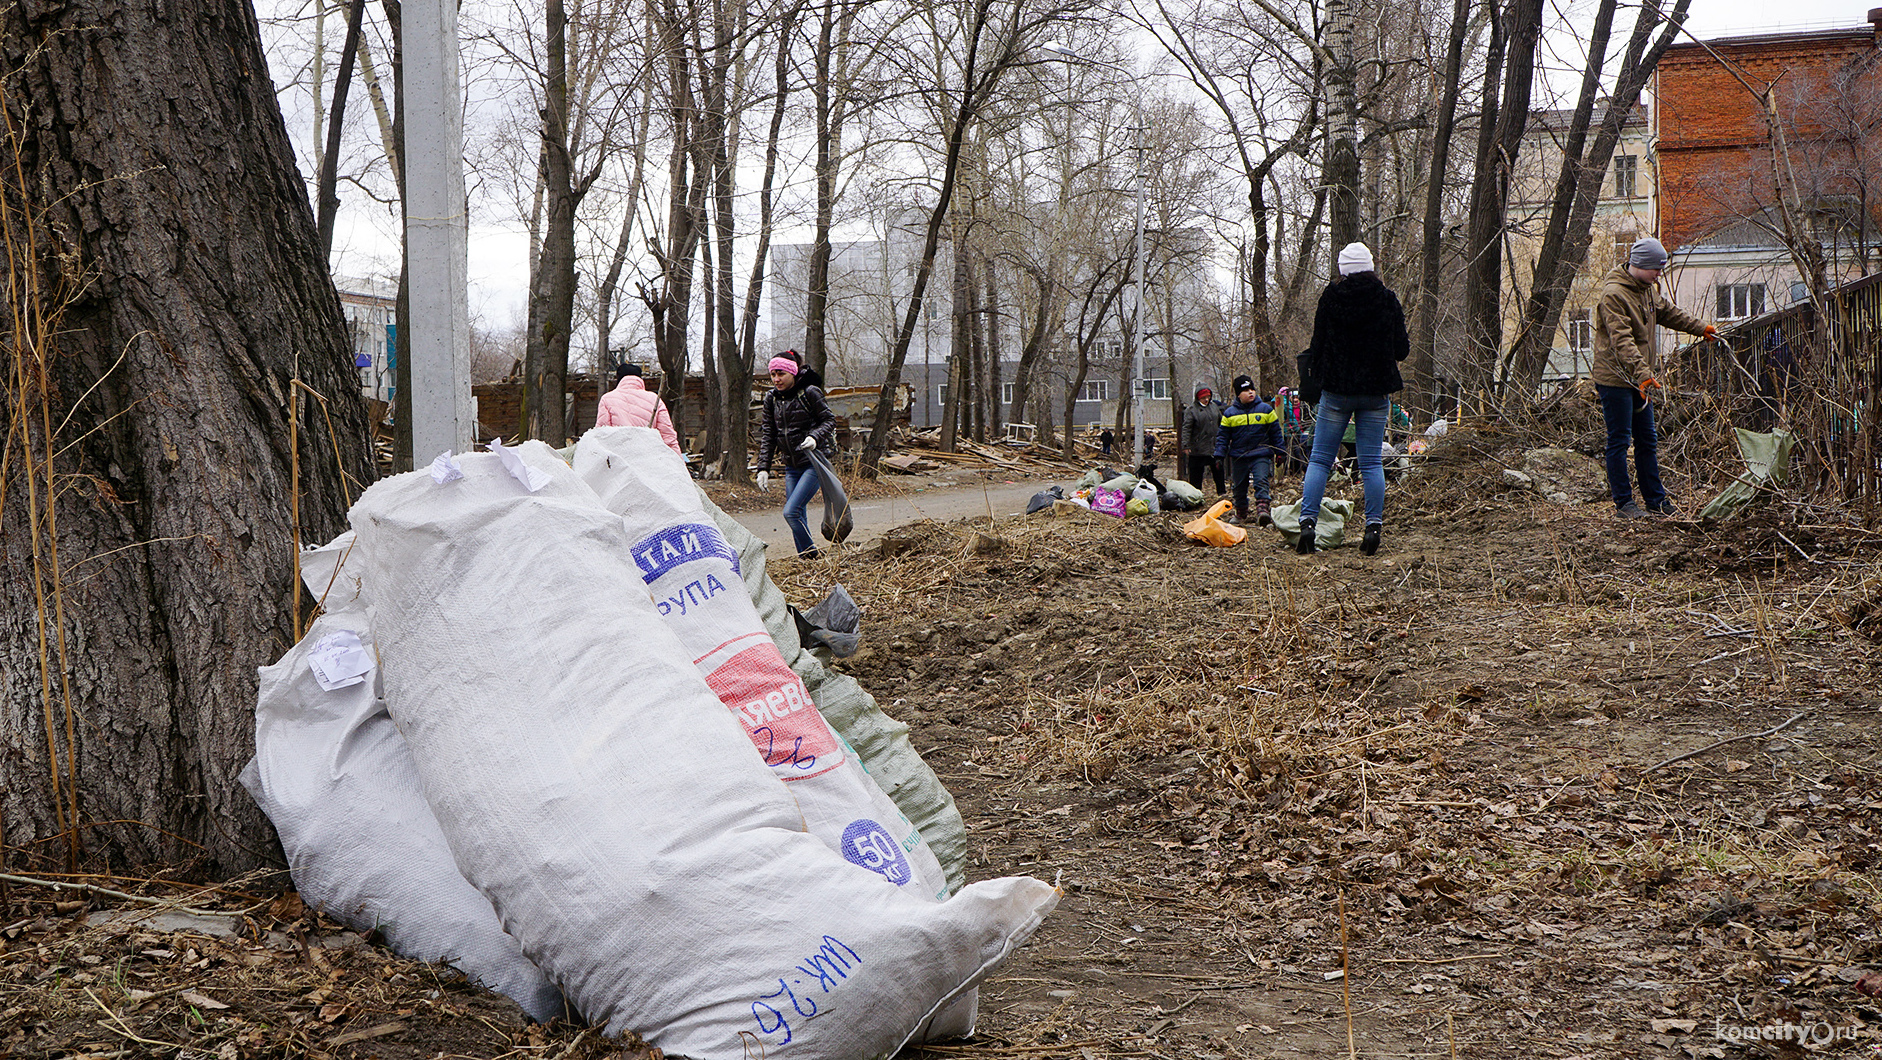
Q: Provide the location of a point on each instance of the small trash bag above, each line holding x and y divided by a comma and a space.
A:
1042, 501
1108, 501
1137, 506
1181, 496
834, 623
1147, 493
1211, 530
1329, 530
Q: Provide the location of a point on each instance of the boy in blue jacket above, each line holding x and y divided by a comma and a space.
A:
1251, 438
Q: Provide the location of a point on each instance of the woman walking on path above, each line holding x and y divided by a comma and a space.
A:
797, 420
1358, 339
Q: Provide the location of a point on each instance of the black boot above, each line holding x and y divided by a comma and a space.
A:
1306, 544
1370, 544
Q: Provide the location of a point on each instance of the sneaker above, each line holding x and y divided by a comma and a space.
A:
1665, 507
810, 553
1370, 544
1630, 510
1306, 544
1238, 519
1261, 513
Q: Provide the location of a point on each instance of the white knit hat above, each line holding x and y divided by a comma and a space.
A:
1355, 258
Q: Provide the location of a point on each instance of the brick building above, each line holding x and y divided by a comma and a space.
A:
1718, 210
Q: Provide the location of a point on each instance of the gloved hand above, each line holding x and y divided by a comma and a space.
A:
1712, 333
1645, 383
764, 482
807, 443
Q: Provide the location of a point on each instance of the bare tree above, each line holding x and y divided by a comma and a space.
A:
1569, 228
1508, 78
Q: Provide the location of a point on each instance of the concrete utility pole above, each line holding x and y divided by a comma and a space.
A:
436, 233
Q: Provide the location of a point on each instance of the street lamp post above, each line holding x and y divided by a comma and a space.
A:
1065, 53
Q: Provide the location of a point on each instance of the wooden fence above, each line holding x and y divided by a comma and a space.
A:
1785, 369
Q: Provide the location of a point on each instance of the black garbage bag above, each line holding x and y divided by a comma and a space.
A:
835, 622
837, 523
1042, 500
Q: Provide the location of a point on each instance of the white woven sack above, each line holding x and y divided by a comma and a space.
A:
880, 741
333, 774
696, 584
596, 791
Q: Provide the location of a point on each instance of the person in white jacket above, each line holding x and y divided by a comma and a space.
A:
631, 404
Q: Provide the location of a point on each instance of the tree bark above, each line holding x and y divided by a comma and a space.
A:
167, 287
552, 293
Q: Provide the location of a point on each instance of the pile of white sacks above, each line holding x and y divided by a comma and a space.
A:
541, 732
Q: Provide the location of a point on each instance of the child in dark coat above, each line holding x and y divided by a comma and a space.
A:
1250, 437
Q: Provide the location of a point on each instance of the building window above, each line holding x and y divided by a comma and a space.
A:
1006, 393
1096, 390
1113, 348
1626, 174
1580, 333
1157, 389
1740, 300
1623, 246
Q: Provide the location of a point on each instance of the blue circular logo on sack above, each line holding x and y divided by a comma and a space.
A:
870, 845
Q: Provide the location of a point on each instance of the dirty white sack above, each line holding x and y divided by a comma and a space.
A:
596, 791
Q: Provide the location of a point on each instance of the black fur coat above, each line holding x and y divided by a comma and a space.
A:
1359, 336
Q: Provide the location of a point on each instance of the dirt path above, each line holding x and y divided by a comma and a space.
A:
944, 501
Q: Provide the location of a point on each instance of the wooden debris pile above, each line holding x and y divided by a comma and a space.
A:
923, 455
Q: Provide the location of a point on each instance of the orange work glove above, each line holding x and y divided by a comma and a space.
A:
1712, 333
1648, 382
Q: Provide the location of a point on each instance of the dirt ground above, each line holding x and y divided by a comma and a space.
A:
1531, 782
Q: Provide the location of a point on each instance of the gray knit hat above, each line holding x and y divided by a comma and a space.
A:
1647, 253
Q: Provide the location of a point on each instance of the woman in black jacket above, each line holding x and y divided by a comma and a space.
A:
797, 420
1358, 339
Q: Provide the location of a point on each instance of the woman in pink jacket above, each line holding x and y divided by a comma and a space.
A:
630, 404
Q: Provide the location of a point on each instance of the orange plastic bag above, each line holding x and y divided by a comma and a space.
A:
1210, 529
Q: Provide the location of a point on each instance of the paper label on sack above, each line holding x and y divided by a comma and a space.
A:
339, 661
532, 479
444, 469
771, 702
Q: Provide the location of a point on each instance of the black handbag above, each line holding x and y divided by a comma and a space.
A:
1309, 367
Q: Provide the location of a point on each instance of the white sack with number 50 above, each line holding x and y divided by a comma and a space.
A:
594, 788
698, 588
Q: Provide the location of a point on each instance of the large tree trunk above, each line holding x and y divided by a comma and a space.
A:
1425, 341
1341, 179
165, 264
1489, 199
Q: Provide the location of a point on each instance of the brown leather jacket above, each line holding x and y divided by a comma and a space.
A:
1624, 317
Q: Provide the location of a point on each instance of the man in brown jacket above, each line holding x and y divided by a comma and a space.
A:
1623, 371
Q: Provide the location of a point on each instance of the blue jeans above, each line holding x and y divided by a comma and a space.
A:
800, 484
1260, 468
1367, 413
1630, 421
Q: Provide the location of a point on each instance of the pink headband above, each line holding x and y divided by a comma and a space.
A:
783, 364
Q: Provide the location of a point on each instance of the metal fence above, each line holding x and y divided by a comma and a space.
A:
1785, 369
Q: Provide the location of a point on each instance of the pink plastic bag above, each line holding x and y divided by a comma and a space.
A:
1109, 501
